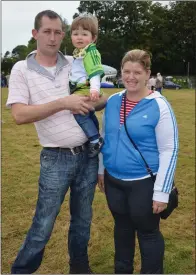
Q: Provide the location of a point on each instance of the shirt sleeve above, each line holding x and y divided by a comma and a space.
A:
101, 166
92, 62
18, 88
95, 83
167, 142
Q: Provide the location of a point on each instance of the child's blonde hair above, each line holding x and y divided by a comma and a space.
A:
88, 22
140, 56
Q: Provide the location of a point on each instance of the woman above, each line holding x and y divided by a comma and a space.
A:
134, 199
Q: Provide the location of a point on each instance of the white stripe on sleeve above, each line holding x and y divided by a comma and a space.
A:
101, 166
167, 142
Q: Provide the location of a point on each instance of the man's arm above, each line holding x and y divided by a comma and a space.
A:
23, 113
101, 103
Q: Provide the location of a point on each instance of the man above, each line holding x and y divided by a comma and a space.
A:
39, 93
7, 78
3, 81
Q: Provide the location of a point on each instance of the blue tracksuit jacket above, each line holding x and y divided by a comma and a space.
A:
152, 126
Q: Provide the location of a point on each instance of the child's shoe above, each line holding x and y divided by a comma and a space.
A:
94, 148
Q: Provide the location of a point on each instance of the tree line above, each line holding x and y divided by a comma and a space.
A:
167, 32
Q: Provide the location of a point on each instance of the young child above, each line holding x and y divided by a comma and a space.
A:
86, 73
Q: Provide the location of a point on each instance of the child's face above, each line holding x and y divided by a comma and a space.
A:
81, 38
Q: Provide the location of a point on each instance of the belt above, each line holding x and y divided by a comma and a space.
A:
76, 150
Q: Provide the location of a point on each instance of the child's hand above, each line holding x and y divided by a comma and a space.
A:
94, 95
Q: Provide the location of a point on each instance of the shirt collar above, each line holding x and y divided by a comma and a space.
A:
32, 64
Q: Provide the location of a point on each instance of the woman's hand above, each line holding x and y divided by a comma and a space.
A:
158, 206
101, 183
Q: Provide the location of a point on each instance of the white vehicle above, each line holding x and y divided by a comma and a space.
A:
110, 75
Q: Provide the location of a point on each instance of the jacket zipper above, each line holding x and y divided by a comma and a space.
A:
119, 130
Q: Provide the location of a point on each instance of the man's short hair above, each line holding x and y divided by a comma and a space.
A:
48, 13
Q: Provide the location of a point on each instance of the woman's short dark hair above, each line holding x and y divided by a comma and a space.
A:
48, 13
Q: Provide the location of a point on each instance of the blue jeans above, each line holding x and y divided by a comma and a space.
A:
89, 125
59, 171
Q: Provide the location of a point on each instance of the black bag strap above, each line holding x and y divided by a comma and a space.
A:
134, 145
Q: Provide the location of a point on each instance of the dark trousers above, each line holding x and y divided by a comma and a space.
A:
130, 203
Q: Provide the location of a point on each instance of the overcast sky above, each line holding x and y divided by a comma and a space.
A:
18, 19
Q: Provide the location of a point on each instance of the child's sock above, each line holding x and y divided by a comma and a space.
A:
94, 141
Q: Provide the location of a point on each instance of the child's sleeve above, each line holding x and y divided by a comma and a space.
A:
92, 62
95, 83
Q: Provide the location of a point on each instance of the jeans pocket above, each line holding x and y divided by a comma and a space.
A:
48, 158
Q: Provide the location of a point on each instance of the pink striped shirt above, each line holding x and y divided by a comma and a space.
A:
129, 107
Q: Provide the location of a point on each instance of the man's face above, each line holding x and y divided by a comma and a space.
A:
49, 36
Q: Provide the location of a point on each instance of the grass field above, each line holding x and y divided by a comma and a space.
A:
20, 171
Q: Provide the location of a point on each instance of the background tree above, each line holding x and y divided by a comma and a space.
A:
20, 52
183, 20
6, 54
66, 46
32, 45
168, 32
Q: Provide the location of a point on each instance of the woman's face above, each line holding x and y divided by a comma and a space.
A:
134, 76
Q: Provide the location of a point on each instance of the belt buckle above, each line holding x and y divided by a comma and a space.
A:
77, 150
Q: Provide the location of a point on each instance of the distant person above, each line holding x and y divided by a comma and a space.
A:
7, 77
86, 73
159, 83
3, 81
151, 83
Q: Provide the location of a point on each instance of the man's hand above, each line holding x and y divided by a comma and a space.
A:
101, 103
77, 104
158, 206
101, 183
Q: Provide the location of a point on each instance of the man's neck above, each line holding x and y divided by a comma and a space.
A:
47, 61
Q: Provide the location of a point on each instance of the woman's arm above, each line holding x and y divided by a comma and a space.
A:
167, 141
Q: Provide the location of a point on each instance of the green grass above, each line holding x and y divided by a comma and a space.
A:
20, 171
